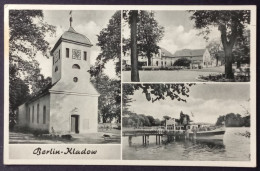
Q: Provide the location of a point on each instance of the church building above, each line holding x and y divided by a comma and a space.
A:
70, 103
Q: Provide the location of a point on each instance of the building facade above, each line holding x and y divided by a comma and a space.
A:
200, 58
163, 59
70, 103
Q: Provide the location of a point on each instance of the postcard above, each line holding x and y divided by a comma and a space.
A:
130, 85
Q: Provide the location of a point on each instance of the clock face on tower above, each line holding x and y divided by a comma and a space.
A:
76, 54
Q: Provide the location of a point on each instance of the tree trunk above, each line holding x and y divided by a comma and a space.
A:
238, 63
216, 56
134, 57
104, 120
149, 59
228, 63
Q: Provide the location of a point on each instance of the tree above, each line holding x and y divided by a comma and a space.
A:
157, 122
214, 47
241, 50
184, 119
154, 92
134, 56
145, 34
151, 119
231, 25
166, 118
109, 101
109, 40
233, 120
27, 33
149, 34
182, 62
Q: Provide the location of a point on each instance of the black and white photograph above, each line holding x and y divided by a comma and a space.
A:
64, 71
186, 46
194, 122
130, 85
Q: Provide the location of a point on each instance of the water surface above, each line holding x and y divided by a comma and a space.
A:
234, 147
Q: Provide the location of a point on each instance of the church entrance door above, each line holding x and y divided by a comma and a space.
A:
75, 123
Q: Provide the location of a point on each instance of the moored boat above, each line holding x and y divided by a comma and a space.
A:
210, 134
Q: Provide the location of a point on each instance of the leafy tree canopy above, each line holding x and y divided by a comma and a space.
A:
109, 40
109, 100
149, 33
27, 33
154, 92
231, 24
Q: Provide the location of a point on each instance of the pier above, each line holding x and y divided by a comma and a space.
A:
161, 135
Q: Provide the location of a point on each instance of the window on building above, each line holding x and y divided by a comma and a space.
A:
75, 79
157, 63
33, 114
67, 52
75, 66
56, 69
162, 63
28, 115
165, 63
44, 114
38, 115
85, 56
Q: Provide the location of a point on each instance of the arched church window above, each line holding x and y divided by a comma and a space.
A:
38, 115
56, 69
44, 114
33, 114
75, 66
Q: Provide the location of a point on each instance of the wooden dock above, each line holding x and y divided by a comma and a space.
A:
160, 134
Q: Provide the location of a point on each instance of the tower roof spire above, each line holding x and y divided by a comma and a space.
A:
71, 19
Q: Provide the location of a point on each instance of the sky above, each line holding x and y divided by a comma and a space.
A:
88, 23
179, 31
206, 101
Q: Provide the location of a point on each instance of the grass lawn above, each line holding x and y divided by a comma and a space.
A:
172, 76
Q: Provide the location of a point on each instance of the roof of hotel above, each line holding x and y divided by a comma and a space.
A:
166, 52
189, 52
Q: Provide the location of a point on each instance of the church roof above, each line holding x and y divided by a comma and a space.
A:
73, 37
189, 52
40, 93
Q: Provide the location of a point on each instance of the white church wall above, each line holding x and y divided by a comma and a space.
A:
42, 101
64, 105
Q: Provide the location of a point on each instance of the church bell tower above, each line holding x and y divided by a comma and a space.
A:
71, 61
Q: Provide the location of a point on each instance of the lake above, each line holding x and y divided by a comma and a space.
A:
234, 147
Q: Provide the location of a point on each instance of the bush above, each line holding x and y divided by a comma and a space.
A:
39, 132
182, 62
22, 129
